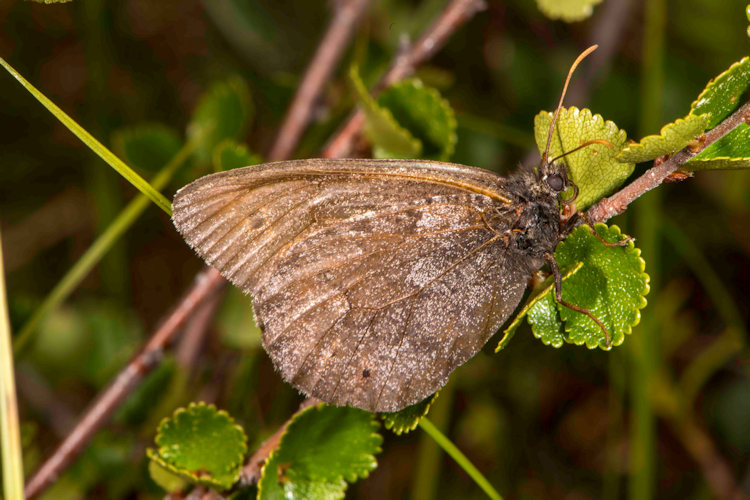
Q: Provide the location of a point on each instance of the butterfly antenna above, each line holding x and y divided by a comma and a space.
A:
603, 142
559, 105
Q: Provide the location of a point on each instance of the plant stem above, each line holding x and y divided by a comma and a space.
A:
429, 458
10, 434
459, 458
97, 250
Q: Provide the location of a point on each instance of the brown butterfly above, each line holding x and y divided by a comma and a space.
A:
373, 280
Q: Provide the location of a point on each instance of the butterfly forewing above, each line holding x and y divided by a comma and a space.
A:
372, 280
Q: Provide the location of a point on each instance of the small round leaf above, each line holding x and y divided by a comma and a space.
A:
201, 444
148, 146
567, 10
230, 154
389, 139
611, 284
223, 112
322, 448
425, 114
406, 420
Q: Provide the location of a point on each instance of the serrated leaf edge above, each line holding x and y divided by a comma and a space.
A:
180, 413
184, 474
714, 81
405, 429
646, 289
227, 143
660, 136
452, 121
368, 101
587, 115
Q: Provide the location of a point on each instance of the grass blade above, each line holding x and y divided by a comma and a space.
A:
105, 154
460, 458
10, 434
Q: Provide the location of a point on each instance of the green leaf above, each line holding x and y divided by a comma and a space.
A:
406, 420
567, 10
97, 147
166, 479
611, 284
230, 154
322, 448
722, 94
539, 294
729, 152
594, 168
390, 140
223, 112
148, 147
202, 445
425, 114
672, 137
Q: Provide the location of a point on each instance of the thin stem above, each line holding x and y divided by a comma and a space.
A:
10, 433
459, 458
348, 14
97, 250
455, 15
207, 282
429, 457
616, 204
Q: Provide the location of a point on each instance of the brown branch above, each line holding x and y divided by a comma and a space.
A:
348, 13
616, 204
194, 333
251, 472
454, 16
99, 412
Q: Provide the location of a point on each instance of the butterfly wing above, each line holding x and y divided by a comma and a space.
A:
372, 279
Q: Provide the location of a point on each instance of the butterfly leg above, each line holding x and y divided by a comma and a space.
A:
558, 297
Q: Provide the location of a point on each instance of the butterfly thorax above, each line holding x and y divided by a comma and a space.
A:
537, 227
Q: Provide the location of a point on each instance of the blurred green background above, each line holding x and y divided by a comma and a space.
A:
653, 418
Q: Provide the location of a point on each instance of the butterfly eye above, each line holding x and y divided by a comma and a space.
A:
556, 182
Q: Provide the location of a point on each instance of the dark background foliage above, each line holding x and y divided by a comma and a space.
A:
538, 422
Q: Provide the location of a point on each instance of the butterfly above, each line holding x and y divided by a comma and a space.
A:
372, 280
